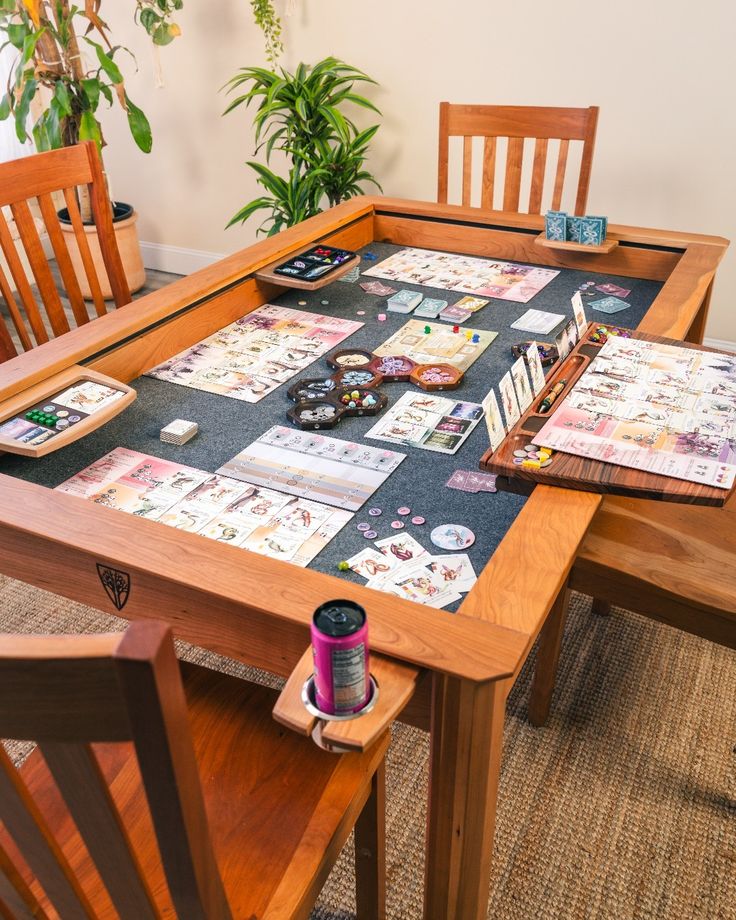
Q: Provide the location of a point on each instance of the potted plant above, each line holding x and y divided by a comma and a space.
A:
301, 114
67, 67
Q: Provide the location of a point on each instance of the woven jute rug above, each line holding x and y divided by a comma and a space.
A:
622, 808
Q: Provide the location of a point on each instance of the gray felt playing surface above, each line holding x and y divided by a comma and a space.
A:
226, 426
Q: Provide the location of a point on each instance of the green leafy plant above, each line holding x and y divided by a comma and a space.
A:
67, 60
269, 23
301, 115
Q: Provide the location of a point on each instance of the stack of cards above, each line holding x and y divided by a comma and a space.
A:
538, 321
455, 314
470, 481
609, 305
404, 301
400, 565
589, 230
179, 431
430, 308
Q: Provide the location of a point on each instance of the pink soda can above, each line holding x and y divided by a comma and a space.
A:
340, 647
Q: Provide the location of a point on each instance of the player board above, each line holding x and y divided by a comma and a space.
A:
427, 421
261, 520
253, 356
440, 344
653, 407
452, 272
339, 473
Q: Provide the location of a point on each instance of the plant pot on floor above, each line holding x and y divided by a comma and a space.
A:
126, 236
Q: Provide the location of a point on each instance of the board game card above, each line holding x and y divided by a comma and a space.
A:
375, 287
350, 277
521, 384
579, 314
591, 231
404, 301
538, 321
458, 480
430, 308
614, 289
536, 371
455, 571
417, 583
370, 563
402, 546
455, 314
508, 400
440, 344
472, 304
610, 305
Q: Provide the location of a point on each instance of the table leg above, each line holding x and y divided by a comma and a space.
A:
697, 329
466, 738
370, 852
548, 656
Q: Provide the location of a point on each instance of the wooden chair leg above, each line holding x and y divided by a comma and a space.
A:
601, 608
370, 852
548, 656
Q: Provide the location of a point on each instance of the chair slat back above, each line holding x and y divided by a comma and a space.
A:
515, 124
68, 693
26, 188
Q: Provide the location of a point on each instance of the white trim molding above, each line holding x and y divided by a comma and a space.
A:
720, 344
176, 259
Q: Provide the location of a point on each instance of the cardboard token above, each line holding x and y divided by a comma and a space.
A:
452, 536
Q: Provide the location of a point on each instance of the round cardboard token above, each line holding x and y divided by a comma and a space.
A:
519, 459
374, 512
360, 313
520, 453
403, 510
545, 463
418, 519
452, 536
364, 526
530, 448
302, 303
397, 525
370, 534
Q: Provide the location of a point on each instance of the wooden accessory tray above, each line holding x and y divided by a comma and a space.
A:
267, 274
586, 475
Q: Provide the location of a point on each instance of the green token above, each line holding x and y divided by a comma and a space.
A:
343, 566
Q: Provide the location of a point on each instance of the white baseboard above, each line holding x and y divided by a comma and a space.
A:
720, 344
176, 259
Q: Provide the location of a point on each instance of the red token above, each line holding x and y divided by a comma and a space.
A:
403, 510
418, 519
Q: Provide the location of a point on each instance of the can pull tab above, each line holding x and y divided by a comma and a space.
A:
336, 615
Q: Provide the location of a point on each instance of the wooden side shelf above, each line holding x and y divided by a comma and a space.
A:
267, 274
396, 682
606, 246
582, 473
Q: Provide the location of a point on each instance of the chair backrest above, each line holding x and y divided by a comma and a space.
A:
67, 693
515, 124
27, 186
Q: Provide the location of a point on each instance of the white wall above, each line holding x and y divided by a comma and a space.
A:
662, 73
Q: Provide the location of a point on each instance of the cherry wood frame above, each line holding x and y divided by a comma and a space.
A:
254, 611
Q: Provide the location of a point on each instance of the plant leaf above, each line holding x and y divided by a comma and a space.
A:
139, 125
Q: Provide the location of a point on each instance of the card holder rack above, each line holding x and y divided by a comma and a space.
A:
572, 472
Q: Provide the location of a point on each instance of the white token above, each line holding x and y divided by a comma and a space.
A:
452, 536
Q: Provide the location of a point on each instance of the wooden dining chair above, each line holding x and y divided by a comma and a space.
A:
159, 790
669, 562
515, 124
33, 300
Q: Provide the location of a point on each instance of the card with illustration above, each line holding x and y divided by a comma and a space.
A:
450, 271
370, 563
536, 371
521, 384
253, 356
494, 423
538, 322
427, 422
579, 313
455, 570
508, 400
402, 546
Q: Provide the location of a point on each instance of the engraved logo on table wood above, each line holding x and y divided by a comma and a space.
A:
116, 585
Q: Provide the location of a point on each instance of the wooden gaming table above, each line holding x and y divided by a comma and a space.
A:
459, 667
